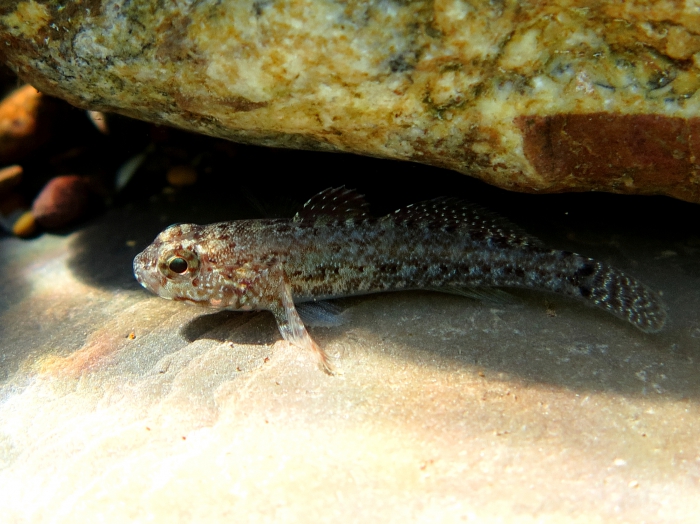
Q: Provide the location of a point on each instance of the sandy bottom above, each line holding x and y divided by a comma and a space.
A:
117, 406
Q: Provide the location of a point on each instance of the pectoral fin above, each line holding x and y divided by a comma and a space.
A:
292, 328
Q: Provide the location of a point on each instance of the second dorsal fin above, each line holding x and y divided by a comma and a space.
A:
455, 214
335, 202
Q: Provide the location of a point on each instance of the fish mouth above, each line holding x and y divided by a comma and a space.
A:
144, 266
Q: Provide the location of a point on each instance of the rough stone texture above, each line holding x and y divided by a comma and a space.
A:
530, 96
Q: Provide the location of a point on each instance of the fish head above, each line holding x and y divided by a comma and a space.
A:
171, 265
193, 264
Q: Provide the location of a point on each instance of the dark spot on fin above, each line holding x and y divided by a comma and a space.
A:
320, 314
586, 270
334, 202
454, 214
482, 294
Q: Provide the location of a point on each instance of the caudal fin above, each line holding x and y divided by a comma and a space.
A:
620, 294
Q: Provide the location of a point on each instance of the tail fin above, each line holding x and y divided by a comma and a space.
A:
569, 274
620, 294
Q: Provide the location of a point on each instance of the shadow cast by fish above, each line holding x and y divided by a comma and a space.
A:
235, 326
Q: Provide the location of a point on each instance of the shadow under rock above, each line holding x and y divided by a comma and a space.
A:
102, 253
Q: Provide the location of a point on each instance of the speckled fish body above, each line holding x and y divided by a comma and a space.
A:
334, 248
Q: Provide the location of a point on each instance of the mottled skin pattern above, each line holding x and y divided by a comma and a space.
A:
333, 248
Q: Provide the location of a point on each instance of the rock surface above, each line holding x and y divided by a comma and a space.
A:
117, 406
530, 96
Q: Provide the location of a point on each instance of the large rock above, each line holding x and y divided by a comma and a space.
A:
532, 96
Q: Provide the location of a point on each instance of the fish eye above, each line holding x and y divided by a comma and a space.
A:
178, 265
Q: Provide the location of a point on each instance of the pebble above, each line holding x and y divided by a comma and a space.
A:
25, 226
10, 177
181, 176
127, 170
63, 200
24, 125
99, 120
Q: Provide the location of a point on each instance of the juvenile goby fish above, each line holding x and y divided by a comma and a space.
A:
334, 248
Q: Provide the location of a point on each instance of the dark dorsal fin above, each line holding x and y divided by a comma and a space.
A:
452, 214
335, 202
